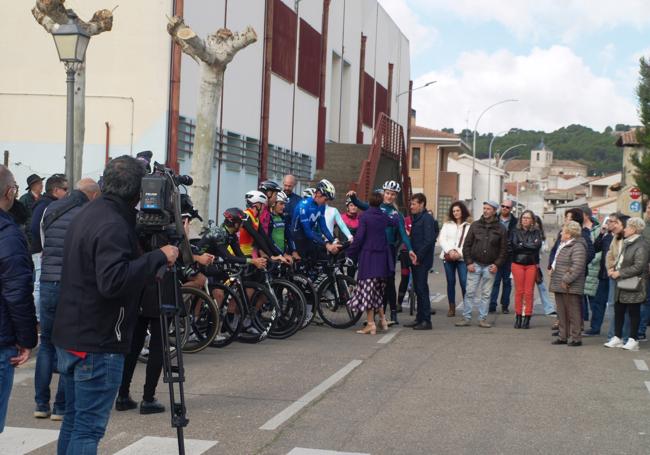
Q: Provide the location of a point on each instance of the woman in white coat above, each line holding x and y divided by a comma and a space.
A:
451, 239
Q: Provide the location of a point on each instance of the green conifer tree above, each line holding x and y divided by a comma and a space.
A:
642, 162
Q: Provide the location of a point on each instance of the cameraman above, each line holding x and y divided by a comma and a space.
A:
104, 272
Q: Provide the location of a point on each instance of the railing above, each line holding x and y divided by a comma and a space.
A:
388, 140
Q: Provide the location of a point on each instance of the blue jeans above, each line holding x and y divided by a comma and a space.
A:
36, 259
451, 268
502, 275
46, 358
598, 305
91, 385
645, 312
6, 381
420, 274
546, 301
479, 286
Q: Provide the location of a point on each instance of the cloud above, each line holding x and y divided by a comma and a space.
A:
554, 87
565, 20
419, 34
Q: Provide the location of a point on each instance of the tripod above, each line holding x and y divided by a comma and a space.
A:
173, 373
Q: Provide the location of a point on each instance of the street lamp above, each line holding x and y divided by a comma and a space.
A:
474, 146
500, 157
490, 163
414, 89
71, 42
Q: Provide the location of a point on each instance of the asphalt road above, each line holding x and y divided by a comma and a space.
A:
447, 391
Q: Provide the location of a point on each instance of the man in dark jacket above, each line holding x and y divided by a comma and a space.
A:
288, 186
30, 198
422, 242
599, 301
103, 275
484, 251
55, 223
508, 221
17, 319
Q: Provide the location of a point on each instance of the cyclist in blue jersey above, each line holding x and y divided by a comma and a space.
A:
394, 235
309, 214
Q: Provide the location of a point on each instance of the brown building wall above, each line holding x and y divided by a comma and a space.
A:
427, 176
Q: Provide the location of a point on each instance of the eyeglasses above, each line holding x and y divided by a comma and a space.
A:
505, 206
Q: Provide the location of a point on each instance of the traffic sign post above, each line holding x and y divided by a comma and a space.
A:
635, 193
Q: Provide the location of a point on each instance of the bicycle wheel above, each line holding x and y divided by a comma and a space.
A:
203, 316
231, 310
332, 302
292, 309
262, 310
172, 333
311, 297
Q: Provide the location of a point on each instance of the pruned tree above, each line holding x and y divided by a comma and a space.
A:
642, 160
50, 14
213, 55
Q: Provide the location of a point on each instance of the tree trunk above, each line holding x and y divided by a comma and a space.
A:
79, 123
204, 136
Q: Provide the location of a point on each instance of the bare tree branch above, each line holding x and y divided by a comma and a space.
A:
189, 42
51, 13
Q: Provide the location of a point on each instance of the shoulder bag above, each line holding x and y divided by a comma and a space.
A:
629, 284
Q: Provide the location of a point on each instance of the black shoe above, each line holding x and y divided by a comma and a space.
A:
574, 343
433, 311
526, 322
492, 310
393, 317
125, 403
151, 407
518, 321
558, 341
590, 333
505, 310
424, 325
556, 333
410, 325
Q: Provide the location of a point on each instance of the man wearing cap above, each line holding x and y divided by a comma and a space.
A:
484, 251
30, 198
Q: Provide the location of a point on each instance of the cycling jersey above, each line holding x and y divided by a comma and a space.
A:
252, 237
281, 234
219, 241
391, 232
352, 222
306, 217
332, 216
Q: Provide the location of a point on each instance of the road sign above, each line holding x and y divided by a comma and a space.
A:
635, 193
635, 206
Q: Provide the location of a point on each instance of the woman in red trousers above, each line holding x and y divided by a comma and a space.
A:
525, 243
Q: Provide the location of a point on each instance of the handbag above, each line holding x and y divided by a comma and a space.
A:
539, 277
447, 256
629, 284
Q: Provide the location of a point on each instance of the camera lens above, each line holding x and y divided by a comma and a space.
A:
184, 180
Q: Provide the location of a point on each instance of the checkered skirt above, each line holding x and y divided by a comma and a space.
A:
368, 295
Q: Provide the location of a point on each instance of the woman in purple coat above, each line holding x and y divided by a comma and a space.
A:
370, 249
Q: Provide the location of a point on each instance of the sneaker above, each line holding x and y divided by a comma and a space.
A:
641, 338
56, 417
42, 412
615, 342
463, 323
590, 333
505, 310
484, 324
631, 345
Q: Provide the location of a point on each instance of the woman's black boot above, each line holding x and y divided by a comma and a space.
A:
518, 321
526, 323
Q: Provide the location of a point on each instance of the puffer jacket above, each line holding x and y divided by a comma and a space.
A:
593, 268
452, 237
524, 246
17, 311
570, 268
635, 263
486, 243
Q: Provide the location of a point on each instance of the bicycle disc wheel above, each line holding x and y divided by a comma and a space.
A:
232, 313
262, 312
292, 309
333, 299
203, 316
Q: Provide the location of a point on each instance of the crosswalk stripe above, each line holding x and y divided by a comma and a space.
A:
19, 441
303, 451
641, 365
154, 445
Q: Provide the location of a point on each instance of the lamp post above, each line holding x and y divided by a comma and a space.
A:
71, 42
414, 89
490, 162
474, 146
499, 158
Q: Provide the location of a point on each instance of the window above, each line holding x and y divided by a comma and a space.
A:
415, 158
283, 58
444, 202
537, 156
309, 54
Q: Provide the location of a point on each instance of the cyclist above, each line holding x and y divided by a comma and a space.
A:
280, 230
270, 190
254, 241
333, 217
390, 190
310, 214
307, 192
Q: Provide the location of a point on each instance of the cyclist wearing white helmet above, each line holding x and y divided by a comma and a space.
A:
394, 235
308, 192
253, 240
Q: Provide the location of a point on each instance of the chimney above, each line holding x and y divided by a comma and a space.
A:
412, 118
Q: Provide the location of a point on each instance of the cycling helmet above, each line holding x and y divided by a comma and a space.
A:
327, 189
233, 216
282, 197
378, 191
308, 192
348, 201
269, 185
392, 185
253, 197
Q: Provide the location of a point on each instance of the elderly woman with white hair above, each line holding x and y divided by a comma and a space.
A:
568, 272
630, 272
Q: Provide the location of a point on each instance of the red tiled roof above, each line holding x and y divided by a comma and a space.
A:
517, 165
420, 131
627, 138
567, 163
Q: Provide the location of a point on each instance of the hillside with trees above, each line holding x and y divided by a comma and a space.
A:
575, 142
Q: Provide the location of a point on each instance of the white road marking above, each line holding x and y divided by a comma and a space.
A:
153, 445
388, 337
302, 451
439, 299
310, 396
641, 365
19, 441
647, 385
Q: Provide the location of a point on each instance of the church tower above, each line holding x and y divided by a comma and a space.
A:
541, 159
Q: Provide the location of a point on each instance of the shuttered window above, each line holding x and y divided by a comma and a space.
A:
309, 59
283, 58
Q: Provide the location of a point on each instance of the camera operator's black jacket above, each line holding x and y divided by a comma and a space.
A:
104, 272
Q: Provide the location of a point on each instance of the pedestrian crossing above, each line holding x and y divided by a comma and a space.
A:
21, 441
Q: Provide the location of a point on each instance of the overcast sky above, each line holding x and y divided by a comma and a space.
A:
566, 61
